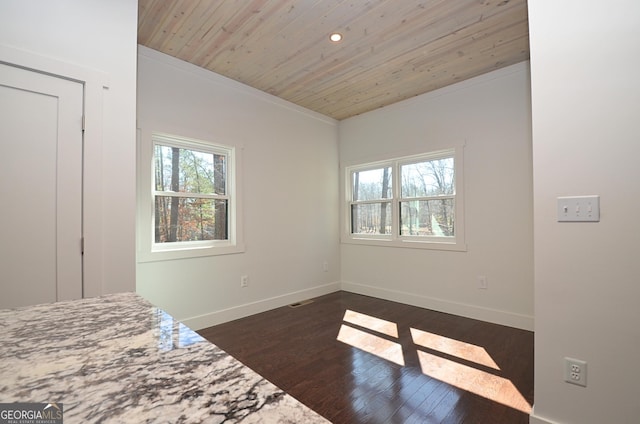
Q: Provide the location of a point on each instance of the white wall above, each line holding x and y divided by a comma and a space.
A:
93, 41
290, 179
491, 113
585, 62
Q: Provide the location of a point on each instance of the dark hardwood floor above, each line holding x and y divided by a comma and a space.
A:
358, 359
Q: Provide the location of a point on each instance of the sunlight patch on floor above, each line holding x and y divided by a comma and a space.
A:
462, 350
373, 344
372, 323
464, 377
481, 383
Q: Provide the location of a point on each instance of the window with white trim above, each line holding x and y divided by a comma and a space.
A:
412, 201
193, 199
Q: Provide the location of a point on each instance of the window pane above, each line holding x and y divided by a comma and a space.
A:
427, 218
430, 178
190, 219
189, 171
372, 184
371, 218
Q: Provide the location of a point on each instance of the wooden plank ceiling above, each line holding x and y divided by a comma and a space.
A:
392, 49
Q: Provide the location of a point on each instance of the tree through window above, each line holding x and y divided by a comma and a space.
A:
191, 199
427, 204
406, 199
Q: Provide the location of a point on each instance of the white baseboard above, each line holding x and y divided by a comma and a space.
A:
218, 317
510, 319
533, 419
495, 316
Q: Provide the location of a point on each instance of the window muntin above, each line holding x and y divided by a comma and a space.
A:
417, 204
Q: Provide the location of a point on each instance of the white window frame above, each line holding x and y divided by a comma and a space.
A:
394, 239
148, 249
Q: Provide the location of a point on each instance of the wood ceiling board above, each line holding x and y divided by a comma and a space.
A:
413, 74
392, 50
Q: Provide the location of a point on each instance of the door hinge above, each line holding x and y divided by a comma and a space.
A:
82, 246
83, 123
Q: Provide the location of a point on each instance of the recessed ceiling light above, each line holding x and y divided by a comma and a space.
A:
335, 37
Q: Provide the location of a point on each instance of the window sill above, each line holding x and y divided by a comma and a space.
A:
407, 244
188, 253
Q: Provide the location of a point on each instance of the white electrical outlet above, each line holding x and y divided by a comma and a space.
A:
575, 371
244, 281
325, 266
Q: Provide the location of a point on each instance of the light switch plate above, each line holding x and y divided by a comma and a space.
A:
579, 209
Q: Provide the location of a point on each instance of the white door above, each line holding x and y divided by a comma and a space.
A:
40, 188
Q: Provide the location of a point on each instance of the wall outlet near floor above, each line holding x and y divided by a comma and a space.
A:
575, 371
482, 282
325, 266
244, 281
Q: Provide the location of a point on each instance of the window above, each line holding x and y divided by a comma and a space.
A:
193, 199
190, 196
412, 201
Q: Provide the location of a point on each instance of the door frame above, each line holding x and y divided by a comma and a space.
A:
95, 84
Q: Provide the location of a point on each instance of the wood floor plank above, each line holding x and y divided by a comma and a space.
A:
438, 368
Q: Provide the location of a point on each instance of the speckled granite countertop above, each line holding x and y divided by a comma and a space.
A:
119, 359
